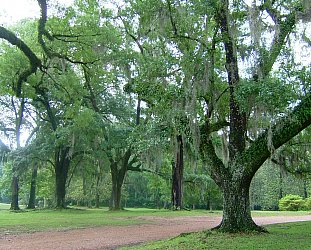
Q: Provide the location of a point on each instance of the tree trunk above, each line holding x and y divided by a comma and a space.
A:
19, 114
97, 202
62, 163
280, 184
236, 212
118, 171
32, 195
138, 111
305, 189
14, 202
208, 203
97, 196
117, 182
177, 176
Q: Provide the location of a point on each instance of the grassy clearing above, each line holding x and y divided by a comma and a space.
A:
48, 219
44, 220
281, 236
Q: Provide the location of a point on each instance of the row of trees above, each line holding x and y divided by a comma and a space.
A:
216, 83
143, 189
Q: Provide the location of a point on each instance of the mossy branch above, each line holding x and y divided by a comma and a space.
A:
35, 62
42, 32
285, 28
284, 130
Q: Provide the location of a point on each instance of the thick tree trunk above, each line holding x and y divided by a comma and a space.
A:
116, 193
14, 202
236, 212
117, 176
62, 163
32, 195
177, 176
118, 171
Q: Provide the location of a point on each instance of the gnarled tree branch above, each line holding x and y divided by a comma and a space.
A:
284, 130
35, 62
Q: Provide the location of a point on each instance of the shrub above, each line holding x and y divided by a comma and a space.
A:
307, 204
291, 203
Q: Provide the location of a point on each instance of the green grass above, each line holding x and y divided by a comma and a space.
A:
279, 213
44, 220
49, 219
280, 236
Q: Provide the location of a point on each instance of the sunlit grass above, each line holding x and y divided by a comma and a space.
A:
281, 236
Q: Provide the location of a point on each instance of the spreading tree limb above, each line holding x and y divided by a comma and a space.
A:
35, 62
284, 130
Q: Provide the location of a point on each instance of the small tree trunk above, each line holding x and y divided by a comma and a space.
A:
138, 111
32, 195
177, 176
208, 202
97, 196
280, 184
14, 202
305, 189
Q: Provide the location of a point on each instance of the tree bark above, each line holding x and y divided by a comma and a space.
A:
14, 202
62, 163
117, 182
32, 195
177, 176
236, 212
118, 171
138, 111
19, 115
97, 196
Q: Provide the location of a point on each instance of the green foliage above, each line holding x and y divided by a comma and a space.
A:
291, 203
5, 181
271, 95
271, 183
307, 204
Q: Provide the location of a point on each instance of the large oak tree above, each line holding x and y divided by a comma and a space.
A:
236, 64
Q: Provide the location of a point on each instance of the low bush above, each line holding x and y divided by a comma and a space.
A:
291, 203
307, 205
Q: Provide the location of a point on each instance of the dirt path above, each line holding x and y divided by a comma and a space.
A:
111, 237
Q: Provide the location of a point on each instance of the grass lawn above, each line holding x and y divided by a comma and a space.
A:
49, 219
281, 236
